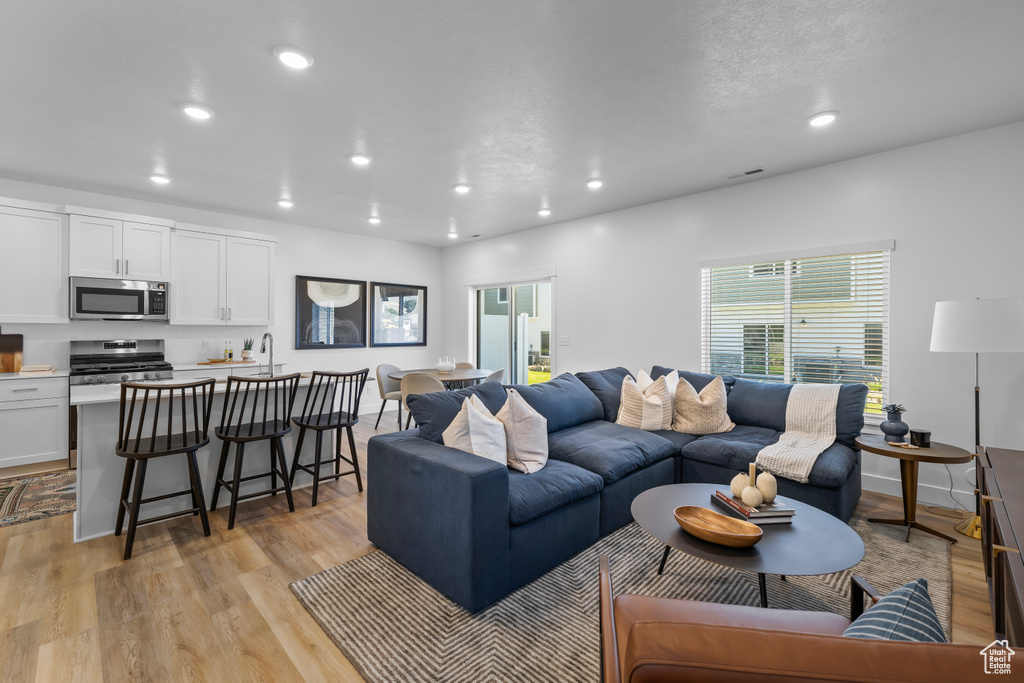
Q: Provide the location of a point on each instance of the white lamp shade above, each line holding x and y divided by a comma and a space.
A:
979, 326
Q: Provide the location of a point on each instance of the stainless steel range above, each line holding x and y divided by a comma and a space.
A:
120, 360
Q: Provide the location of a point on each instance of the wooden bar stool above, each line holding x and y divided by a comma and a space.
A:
332, 403
140, 439
263, 414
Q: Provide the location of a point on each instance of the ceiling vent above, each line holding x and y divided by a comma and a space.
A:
744, 174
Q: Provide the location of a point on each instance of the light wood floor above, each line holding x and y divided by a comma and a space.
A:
189, 608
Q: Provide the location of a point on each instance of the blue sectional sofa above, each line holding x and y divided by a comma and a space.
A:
476, 530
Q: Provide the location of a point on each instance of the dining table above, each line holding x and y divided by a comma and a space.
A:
451, 378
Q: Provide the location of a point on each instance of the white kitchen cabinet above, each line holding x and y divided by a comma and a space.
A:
221, 279
34, 274
115, 248
250, 287
33, 420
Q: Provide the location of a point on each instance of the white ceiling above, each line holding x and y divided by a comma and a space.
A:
524, 100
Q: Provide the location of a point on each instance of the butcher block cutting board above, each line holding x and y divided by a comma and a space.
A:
11, 346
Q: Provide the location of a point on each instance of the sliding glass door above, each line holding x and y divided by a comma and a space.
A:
514, 331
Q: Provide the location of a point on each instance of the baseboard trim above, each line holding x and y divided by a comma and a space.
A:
927, 494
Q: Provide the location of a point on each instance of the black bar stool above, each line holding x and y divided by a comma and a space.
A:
332, 403
264, 414
195, 401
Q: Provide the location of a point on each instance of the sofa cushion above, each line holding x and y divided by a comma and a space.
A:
703, 413
559, 483
698, 380
759, 404
678, 439
850, 413
905, 614
435, 411
608, 449
607, 386
738, 448
565, 401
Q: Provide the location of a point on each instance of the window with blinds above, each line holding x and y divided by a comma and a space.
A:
823, 319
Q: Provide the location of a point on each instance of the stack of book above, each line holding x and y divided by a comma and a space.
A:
767, 513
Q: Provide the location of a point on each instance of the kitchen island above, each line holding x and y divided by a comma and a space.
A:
100, 471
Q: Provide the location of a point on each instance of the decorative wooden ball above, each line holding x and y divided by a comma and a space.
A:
739, 482
768, 486
752, 497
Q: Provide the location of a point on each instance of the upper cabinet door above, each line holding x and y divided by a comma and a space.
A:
147, 252
198, 278
34, 276
251, 266
95, 245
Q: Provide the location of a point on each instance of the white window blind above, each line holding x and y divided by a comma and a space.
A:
822, 319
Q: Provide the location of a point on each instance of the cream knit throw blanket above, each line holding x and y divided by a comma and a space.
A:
810, 429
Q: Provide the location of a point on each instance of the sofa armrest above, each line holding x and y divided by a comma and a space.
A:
442, 513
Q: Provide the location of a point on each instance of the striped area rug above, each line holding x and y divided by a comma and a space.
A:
394, 627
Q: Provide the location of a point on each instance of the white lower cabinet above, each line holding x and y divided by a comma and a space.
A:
33, 420
221, 279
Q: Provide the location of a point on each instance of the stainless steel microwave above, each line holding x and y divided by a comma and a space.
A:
94, 298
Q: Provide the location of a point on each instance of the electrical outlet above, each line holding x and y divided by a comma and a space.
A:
206, 345
563, 341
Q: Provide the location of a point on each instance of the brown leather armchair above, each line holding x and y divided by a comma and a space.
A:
646, 639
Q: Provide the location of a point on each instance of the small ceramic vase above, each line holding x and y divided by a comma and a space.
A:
768, 487
751, 496
894, 428
738, 483
444, 364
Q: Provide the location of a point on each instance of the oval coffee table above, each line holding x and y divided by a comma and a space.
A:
815, 543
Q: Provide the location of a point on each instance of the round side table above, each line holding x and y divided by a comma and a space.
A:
910, 459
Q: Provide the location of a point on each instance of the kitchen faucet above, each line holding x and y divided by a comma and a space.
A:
263, 349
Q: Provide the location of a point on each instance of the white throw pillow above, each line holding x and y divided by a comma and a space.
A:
650, 410
703, 413
476, 431
644, 381
526, 434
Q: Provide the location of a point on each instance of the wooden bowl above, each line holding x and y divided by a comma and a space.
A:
715, 527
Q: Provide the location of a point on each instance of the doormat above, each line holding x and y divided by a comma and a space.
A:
36, 497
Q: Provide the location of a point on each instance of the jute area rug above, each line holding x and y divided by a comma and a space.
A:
44, 495
394, 627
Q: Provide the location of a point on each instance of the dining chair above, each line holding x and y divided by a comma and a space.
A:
390, 390
464, 365
418, 383
495, 376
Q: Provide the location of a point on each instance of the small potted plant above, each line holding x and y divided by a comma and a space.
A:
894, 427
247, 349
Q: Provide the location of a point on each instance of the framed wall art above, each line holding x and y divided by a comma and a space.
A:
329, 313
398, 314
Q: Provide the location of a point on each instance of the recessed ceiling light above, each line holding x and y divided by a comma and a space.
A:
285, 203
374, 220
159, 179
462, 188
292, 56
544, 212
823, 118
359, 159
197, 111
452, 235
594, 183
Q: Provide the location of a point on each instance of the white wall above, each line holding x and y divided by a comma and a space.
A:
300, 251
628, 286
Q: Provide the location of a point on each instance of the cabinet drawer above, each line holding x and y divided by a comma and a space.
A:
25, 389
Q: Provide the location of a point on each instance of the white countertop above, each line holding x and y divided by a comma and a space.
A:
106, 393
32, 375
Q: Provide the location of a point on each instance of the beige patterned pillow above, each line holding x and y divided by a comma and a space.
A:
704, 413
526, 434
648, 410
476, 431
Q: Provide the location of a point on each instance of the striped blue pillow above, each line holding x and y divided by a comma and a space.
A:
904, 614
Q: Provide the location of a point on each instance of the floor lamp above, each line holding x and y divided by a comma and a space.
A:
978, 326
